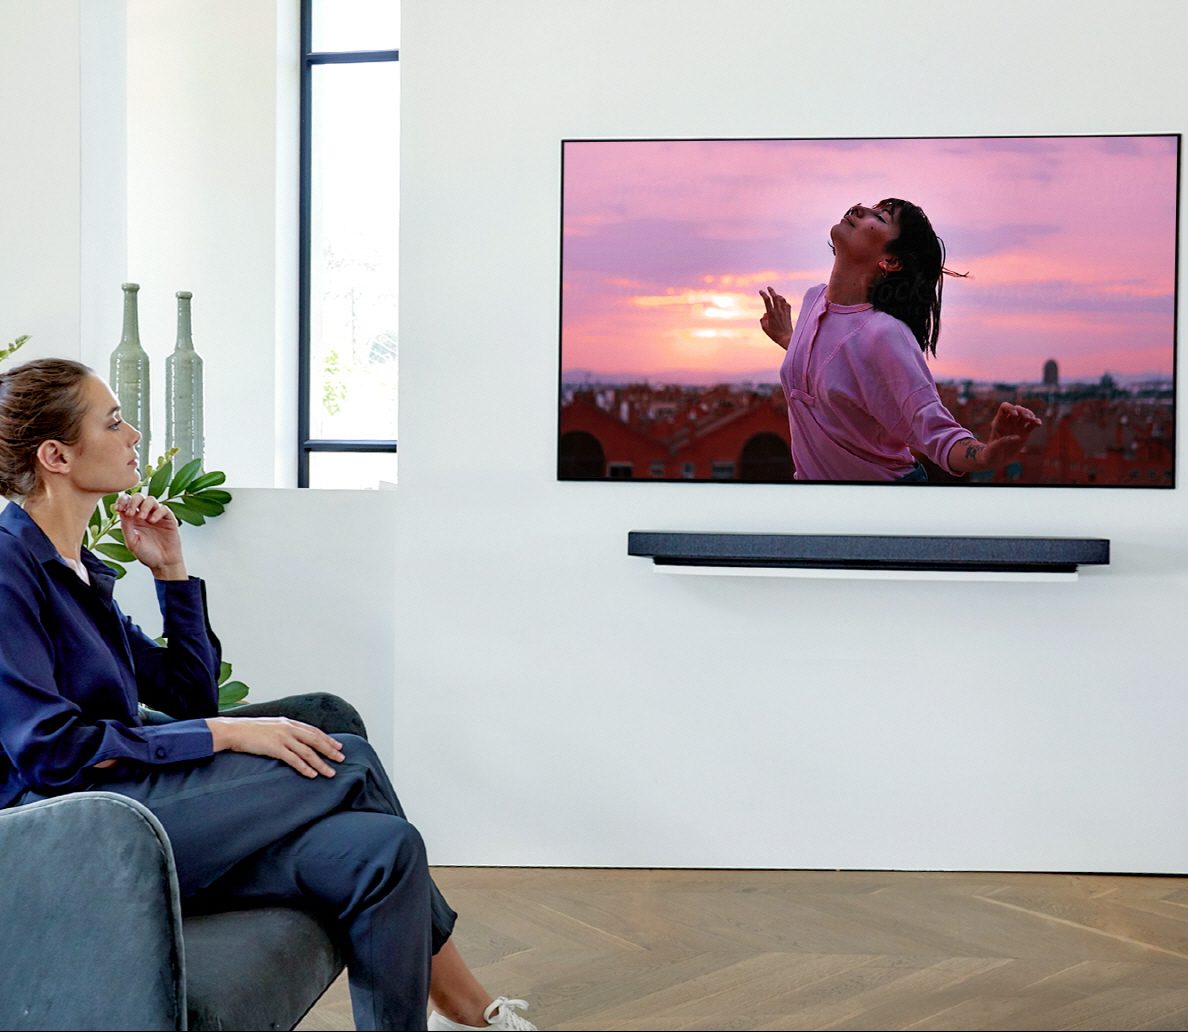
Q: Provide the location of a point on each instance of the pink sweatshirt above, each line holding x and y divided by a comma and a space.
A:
860, 395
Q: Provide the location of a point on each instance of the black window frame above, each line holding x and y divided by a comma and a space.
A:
306, 445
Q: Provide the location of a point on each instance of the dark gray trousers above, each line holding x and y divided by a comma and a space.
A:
248, 828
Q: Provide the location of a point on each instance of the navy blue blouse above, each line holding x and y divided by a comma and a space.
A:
73, 669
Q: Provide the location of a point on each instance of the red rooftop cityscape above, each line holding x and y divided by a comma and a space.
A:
1099, 434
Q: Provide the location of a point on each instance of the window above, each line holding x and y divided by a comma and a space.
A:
349, 224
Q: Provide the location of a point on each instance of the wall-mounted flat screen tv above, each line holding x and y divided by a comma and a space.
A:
774, 310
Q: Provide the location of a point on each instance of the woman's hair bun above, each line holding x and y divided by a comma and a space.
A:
40, 401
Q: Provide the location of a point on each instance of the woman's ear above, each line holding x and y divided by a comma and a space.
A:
890, 263
53, 457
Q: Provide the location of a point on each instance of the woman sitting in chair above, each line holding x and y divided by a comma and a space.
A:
256, 809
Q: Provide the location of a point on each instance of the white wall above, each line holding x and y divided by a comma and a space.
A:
598, 714
301, 595
102, 177
550, 700
63, 238
39, 179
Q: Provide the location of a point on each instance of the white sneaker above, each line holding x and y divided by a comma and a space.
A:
507, 1018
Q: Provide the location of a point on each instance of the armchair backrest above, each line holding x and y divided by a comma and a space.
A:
90, 899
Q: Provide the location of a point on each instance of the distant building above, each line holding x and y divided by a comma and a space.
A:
1051, 373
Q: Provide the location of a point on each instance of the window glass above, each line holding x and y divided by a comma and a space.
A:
356, 25
354, 220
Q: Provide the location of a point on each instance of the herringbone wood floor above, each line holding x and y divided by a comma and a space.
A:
643, 949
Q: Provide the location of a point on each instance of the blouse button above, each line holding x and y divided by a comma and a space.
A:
160, 752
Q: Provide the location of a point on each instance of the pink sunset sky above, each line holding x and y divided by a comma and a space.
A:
1070, 243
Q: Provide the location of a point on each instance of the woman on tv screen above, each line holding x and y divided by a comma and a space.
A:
862, 402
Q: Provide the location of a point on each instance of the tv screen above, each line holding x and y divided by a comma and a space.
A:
768, 310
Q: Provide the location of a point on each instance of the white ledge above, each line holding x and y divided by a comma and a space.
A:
830, 574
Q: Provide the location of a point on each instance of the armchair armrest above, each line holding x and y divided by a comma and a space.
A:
323, 710
90, 920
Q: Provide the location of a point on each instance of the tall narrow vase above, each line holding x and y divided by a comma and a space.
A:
130, 374
183, 390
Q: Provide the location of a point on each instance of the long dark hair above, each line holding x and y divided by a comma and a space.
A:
39, 401
912, 293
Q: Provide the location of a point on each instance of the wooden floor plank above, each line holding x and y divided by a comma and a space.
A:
626, 949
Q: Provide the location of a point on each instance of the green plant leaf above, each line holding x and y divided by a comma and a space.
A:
117, 552
184, 513
119, 570
96, 520
211, 479
215, 495
160, 480
184, 475
231, 693
203, 504
14, 347
117, 535
109, 503
224, 671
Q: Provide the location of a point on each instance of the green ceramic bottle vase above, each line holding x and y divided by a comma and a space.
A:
130, 374
183, 391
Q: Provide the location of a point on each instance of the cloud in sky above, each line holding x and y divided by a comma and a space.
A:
1070, 242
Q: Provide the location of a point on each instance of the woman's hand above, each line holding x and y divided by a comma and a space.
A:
151, 533
1013, 421
301, 746
1008, 434
777, 319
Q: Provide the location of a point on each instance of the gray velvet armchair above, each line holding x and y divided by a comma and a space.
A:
93, 934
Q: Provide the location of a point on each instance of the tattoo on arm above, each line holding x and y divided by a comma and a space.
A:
969, 453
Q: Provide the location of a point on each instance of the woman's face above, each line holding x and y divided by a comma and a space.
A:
863, 233
103, 460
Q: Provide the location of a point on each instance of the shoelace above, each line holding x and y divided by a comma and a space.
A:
508, 1018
